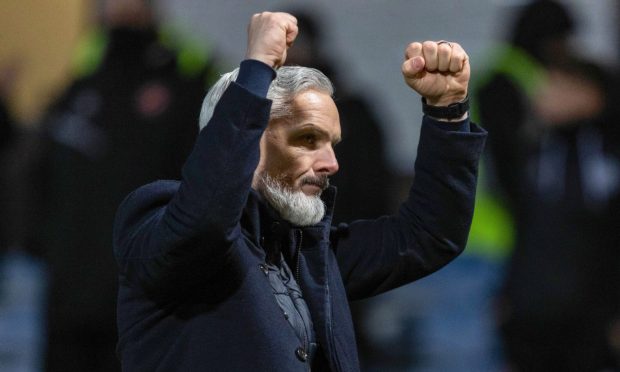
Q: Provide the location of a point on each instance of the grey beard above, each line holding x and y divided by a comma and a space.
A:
294, 206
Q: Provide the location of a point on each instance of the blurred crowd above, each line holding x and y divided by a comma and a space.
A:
538, 288
129, 117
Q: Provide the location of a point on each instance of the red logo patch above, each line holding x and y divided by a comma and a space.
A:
153, 99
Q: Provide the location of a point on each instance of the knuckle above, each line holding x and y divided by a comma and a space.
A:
444, 49
413, 48
429, 45
461, 57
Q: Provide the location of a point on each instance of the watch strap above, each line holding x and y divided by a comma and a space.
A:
452, 111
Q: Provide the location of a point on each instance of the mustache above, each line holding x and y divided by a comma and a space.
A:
322, 181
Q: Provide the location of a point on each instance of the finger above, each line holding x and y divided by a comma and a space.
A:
288, 22
288, 16
429, 52
291, 33
459, 58
444, 53
413, 50
412, 66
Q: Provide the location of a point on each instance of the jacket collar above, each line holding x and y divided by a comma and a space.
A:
259, 219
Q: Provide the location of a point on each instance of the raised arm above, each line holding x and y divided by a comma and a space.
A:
166, 233
432, 225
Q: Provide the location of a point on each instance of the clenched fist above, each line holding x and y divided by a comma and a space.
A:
269, 36
438, 70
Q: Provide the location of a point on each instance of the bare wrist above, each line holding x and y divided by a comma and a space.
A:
445, 101
465, 116
261, 58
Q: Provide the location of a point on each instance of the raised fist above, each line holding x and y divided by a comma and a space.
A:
438, 70
269, 36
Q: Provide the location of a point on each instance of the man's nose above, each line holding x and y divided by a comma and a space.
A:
327, 162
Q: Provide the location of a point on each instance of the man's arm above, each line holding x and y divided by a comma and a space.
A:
432, 225
165, 236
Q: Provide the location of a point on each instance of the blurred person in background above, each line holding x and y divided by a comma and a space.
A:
129, 117
22, 275
8, 135
556, 157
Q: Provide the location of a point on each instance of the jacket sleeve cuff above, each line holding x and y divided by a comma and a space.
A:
456, 126
255, 76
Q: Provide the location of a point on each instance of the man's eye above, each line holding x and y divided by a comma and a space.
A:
309, 139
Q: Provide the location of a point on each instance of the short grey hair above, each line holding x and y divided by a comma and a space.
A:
289, 82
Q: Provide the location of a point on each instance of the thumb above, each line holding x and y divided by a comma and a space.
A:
413, 66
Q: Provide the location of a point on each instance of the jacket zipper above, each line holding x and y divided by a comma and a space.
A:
297, 277
301, 237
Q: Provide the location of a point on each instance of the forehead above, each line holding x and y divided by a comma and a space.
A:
315, 108
312, 98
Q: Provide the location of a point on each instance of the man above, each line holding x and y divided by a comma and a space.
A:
236, 267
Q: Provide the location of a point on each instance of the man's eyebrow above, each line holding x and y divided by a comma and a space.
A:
311, 127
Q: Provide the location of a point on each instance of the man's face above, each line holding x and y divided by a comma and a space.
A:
298, 152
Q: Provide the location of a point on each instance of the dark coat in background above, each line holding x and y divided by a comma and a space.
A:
131, 121
561, 179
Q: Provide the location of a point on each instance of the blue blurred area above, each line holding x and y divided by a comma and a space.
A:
23, 286
444, 322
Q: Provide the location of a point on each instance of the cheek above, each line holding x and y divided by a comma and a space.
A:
276, 159
289, 164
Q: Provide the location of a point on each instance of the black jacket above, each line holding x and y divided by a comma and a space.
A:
193, 294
